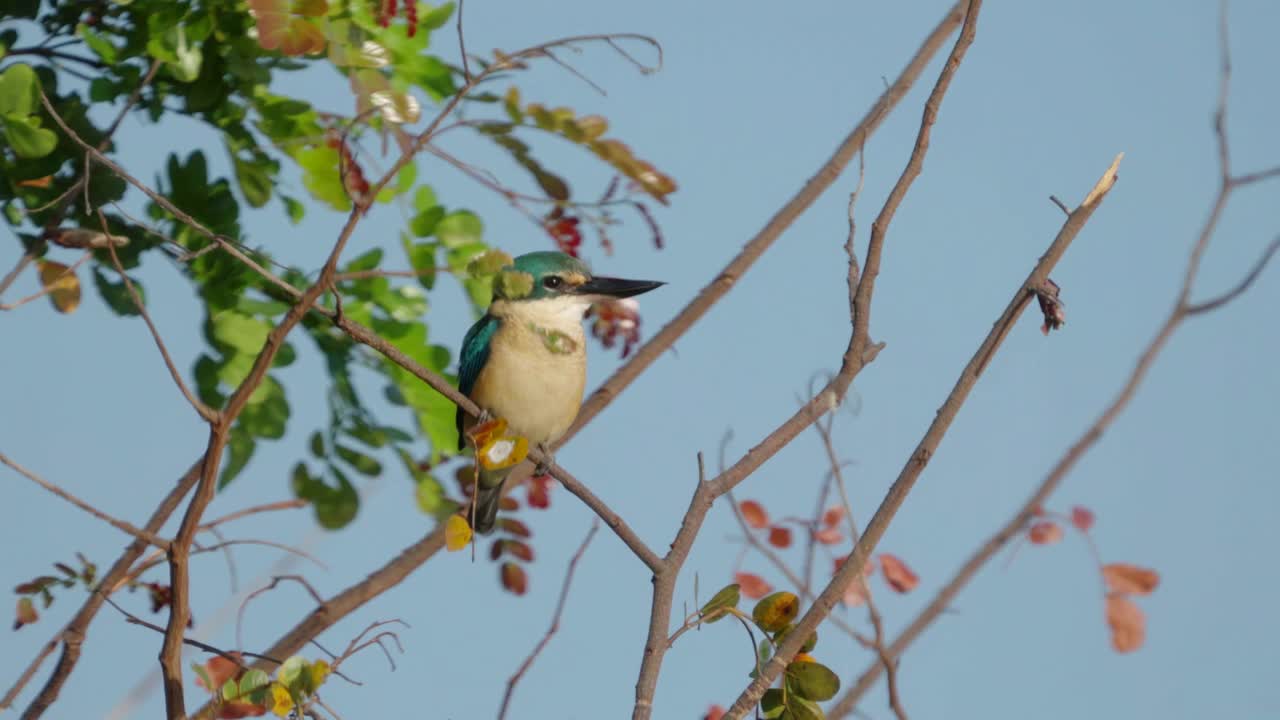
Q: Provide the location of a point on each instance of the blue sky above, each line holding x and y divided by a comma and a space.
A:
753, 97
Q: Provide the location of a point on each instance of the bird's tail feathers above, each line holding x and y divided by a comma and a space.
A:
488, 498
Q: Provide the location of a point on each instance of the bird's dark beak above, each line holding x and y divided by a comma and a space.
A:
616, 287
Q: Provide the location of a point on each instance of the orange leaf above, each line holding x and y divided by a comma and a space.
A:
1045, 532
40, 182
220, 670
754, 514
752, 586
457, 533
897, 574
513, 578
832, 516
715, 712
828, 536
1082, 518
1131, 579
780, 537
1128, 625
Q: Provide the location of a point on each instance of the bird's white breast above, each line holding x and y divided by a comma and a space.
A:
536, 372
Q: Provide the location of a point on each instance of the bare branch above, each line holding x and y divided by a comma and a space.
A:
555, 622
206, 413
146, 536
1258, 266
72, 636
763, 240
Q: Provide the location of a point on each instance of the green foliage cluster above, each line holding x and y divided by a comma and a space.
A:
806, 682
224, 65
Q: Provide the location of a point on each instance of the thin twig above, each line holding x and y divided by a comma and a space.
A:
462, 45
205, 412
860, 345
729, 276
139, 533
72, 635
555, 622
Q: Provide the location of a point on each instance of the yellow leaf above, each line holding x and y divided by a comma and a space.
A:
281, 700
776, 611
502, 452
319, 673
62, 284
457, 533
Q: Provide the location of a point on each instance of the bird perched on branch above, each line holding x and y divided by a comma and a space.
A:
525, 361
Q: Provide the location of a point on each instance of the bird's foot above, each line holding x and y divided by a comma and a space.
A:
544, 466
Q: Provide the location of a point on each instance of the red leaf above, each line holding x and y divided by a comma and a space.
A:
715, 712
897, 574
1082, 518
1128, 625
513, 578
515, 527
753, 514
753, 586
219, 669
540, 492
780, 537
828, 536
1045, 532
1130, 579
833, 516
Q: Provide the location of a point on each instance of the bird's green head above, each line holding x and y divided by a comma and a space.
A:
549, 275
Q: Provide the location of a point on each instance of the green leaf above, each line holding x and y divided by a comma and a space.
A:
116, 294
727, 597
26, 137
426, 222
240, 447
321, 178
240, 332
267, 411
293, 208
19, 93
253, 686
97, 43
771, 703
291, 673
459, 227
255, 181
230, 690
363, 464
799, 708
812, 680
436, 18
421, 256
335, 506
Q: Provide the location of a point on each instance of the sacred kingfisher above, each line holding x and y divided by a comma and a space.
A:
525, 361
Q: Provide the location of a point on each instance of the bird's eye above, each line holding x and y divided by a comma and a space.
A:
552, 281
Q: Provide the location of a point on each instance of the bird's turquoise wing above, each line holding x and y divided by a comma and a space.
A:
475, 352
